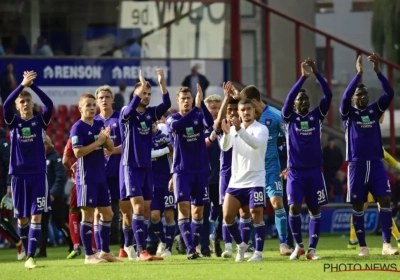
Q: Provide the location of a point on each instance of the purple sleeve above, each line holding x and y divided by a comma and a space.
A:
208, 119
8, 106
163, 107
325, 102
175, 125
131, 108
287, 109
47, 104
345, 104
386, 98
76, 137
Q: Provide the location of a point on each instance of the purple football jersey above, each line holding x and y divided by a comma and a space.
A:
27, 136
136, 133
303, 139
362, 127
161, 165
190, 151
112, 162
90, 168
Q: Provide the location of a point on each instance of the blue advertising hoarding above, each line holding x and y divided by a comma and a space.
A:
337, 220
65, 79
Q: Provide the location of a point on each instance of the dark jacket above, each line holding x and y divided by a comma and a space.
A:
5, 86
4, 161
56, 174
204, 83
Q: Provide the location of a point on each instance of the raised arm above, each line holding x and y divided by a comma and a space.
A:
224, 106
345, 104
325, 102
208, 119
8, 105
255, 141
47, 104
166, 101
386, 98
287, 109
131, 108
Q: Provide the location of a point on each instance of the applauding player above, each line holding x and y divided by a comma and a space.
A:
136, 176
246, 186
28, 162
191, 165
163, 200
305, 180
364, 154
109, 117
88, 136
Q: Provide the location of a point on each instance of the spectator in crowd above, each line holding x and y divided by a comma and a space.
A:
4, 162
119, 100
195, 78
8, 82
43, 48
333, 159
56, 180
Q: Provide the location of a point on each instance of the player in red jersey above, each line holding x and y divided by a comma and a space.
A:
69, 162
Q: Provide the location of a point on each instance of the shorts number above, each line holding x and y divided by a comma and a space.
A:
206, 192
169, 200
41, 202
321, 195
258, 197
278, 186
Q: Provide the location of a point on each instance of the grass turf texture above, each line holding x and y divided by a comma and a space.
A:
331, 249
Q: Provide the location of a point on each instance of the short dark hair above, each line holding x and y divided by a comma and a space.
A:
302, 90
251, 92
138, 84
233, 101
246, 101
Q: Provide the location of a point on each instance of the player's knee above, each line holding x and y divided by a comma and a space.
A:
184, 209
197, 212
295, 209
257, 215
314, 211
155, 216
277, 202
169, 216
23, 221
36, 218
384, 201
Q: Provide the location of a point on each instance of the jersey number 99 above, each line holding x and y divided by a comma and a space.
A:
258, 197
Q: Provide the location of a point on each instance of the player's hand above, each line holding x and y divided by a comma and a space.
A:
236, 123
139, 91
52, 198
310, 63
284, 174
107, 153
227, 87
102, 137
374, 58
213, 135
304, 72
235, 94
160, 74
199, 96
29, 76
171, 185
359, 65
225, 126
